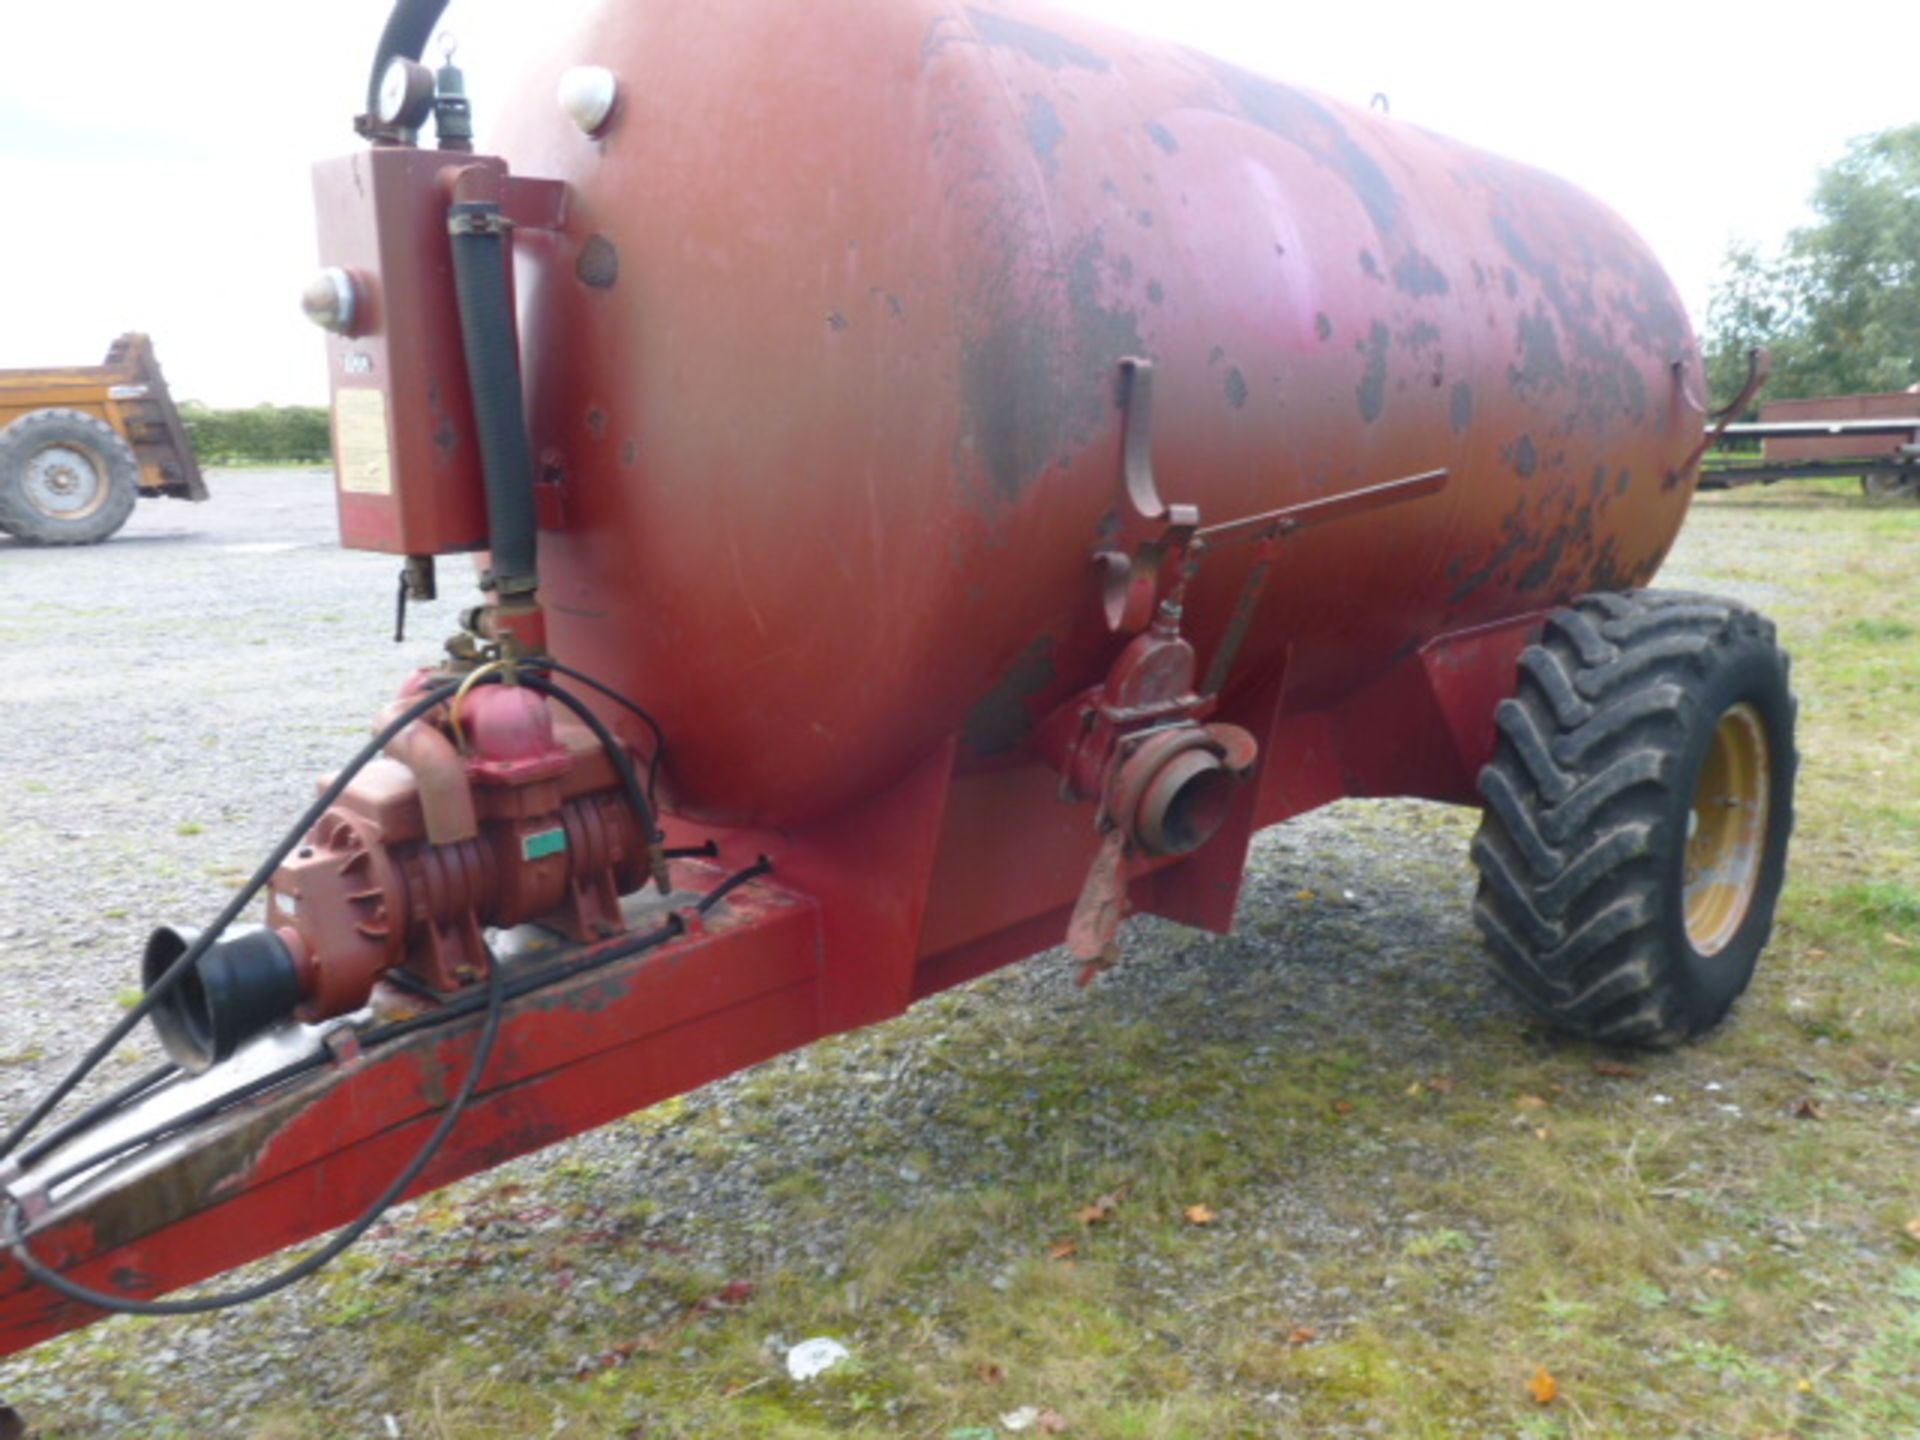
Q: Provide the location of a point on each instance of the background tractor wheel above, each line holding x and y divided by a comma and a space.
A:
66, 478
1638, 805
1892, 483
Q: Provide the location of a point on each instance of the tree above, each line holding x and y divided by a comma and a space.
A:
1839, 305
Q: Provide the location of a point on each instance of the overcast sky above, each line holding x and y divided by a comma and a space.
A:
153, 155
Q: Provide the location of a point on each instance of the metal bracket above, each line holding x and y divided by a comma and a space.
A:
1149, 555
1271, 527
1759, 367
34, 1203
343, 1044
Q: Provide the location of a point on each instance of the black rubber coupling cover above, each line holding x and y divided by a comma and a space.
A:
239, 987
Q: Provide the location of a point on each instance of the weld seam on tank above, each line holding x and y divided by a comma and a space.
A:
479, 232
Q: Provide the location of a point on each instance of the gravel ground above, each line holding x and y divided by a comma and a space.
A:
170, 696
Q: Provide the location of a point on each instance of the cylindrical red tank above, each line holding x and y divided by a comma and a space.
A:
824, 363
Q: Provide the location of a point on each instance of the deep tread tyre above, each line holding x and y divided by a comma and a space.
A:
1645, 725
66, 478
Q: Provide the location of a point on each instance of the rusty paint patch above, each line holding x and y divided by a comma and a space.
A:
1417, 275
1372, 389
1526, 458
1369, 266
1145, 219
1541, 570
1236, 388
1419, 335
1460, 410
1101, 336
837, 322
1516, 538
1163, 137
1322, 325
999, 724
1297, 116
597, 422
630, 452
599, 263
1036, 42
1156, 292
1044, 130
1540, 368
1033, 393
1015, 400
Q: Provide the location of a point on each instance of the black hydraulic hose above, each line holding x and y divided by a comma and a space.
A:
409, 27
11, 1236
380, 1035
493, 374
190, 957
616, 752
547, 662
732, 883
95, 1113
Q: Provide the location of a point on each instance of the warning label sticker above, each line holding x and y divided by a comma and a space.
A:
363, 458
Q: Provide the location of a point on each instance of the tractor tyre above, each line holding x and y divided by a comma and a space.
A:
1891, 483
66, 478
1638, 805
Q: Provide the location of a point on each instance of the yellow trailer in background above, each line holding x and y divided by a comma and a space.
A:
79, 445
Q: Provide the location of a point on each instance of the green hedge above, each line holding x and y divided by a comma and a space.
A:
265, 434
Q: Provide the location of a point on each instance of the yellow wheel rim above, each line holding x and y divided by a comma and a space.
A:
1727, 830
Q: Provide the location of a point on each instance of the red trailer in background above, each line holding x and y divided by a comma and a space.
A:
1876, 437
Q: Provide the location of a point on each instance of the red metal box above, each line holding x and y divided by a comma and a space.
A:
406, 463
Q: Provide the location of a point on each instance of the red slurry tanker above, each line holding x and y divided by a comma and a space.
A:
948, 475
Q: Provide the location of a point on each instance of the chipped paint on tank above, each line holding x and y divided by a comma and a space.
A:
1541, 570
1460, 407
1236, 388
1419, 335
1323, 325
1163, 137
1014, 400
1036, 42
1044, 130
1539, 369
1515, 539
1000, 722
1297, 116
1372, 389
1526, 458
1036, 393
1415, 274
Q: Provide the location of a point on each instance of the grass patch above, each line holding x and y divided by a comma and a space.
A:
1418, 1203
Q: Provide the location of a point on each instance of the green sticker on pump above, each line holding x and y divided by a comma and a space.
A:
544, 843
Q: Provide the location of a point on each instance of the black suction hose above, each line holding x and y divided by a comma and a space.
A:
409, 27
493, 371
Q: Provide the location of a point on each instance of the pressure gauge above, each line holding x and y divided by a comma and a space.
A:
406, 94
